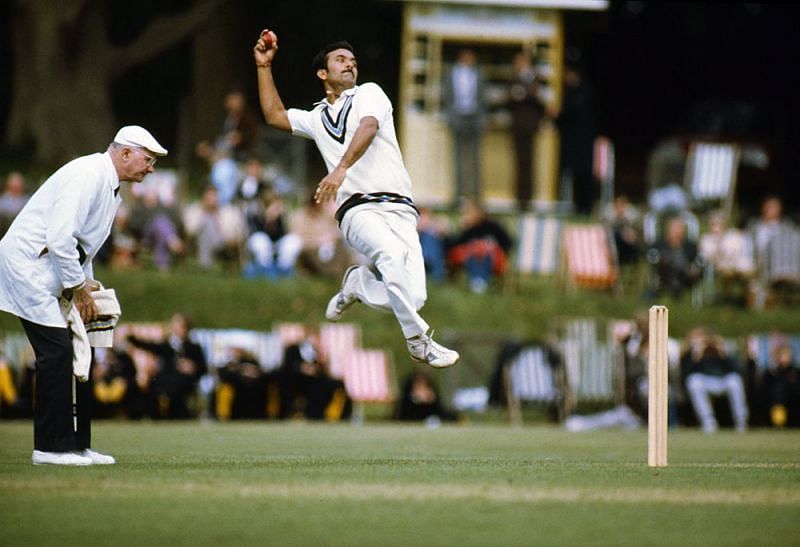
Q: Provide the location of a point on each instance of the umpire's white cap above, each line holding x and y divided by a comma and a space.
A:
137, 136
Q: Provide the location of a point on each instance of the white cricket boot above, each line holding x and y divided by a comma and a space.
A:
41, 457
342, 299
424, 350
96, 457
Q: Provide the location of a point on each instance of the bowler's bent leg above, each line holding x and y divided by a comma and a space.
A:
389, 238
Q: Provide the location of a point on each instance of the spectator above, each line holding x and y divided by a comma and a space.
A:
625, 220
433, 234
465, 109
727, 251
224, 171
322, 250
157, 227
244, 375
115, 391
633, 412
420, 401
782, 388
775, 252
768, 225
181, 363
481, 248
675, 261
241, 130
216, 230
12, 200
273, 249
526, 109
254, 183
575, 123
707, 370
305, 386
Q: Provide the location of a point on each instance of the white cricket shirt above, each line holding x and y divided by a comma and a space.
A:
331, 127
75, 206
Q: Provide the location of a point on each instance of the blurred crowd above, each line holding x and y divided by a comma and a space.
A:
163, 372
251, 218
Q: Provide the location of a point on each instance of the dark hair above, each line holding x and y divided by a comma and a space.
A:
321, 59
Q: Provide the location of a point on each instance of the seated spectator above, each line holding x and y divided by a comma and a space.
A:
12, 200
633, 413
115, 391
776, 243
420, 401
253, 183
625, 220
782, 388
322, 251
433, 233
481, 248
181, 363
707, 370
248, 388
305, 386
768, 225
727, 251
157, 227
273, 249
216, 230
675, 261
224, 171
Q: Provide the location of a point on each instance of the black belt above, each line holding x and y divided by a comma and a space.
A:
81, 254
378, 197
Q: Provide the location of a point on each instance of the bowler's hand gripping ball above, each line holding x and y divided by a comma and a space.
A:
269, 38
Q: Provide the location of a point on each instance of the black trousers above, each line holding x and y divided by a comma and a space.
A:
523, 156
55, 427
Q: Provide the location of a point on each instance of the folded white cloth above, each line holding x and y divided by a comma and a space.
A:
81, 350
101, 330
97, 333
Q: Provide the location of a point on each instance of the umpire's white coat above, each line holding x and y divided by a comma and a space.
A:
39, 255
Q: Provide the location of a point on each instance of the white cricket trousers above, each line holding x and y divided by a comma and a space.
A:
387, 235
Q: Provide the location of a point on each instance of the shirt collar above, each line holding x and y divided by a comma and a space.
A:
345, 93
113, 178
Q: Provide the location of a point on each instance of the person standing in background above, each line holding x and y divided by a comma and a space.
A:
526, 109
464, 105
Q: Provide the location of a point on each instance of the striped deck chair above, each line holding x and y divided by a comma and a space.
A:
368, 378
594, 368
538, 244
589, 257
266, 347
761, 347
710, 176
530, 378
338, 339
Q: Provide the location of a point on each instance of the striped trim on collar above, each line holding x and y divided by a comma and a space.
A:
337, 129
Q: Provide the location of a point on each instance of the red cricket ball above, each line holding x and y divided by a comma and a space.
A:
268, 37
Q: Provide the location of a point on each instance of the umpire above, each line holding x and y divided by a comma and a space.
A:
46, 254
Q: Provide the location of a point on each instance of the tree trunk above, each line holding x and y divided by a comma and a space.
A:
64, 66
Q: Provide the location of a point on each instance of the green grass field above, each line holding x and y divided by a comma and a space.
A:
302, 484
481, 483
